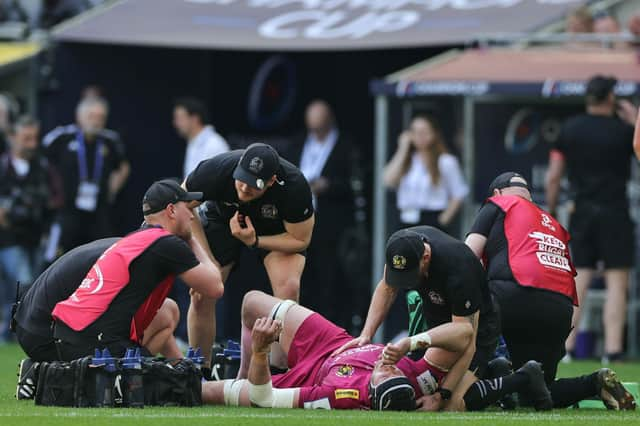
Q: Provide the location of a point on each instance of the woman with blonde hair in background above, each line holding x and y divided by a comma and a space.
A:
428, 179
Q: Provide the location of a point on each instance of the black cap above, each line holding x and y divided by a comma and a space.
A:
404, 251
165, 192
600, 86
257, 165
507, 179
394, 393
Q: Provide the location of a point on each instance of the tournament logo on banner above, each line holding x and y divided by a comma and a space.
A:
310, 24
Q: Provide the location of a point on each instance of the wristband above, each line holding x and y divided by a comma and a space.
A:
419, 341
255, 244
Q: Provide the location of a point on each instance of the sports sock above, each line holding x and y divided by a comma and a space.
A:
484, 393
566, 392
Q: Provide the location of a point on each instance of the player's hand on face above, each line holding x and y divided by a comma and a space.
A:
358, 341
265, 332
242, 229
429, 403
392, 353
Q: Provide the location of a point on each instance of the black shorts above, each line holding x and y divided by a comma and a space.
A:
535, 324
226, 248
601, 233
38, 348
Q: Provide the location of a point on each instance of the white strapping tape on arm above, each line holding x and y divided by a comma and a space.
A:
267, 397
420, 341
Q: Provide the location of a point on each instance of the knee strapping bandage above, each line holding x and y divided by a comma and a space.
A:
231, 392
279, 311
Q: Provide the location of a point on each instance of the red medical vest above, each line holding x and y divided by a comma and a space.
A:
108, 276
538, 247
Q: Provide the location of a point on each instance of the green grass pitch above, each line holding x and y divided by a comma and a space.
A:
24, 413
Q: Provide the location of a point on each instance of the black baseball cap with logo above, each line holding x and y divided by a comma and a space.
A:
164, 192
404, 251
507, 179
258, 164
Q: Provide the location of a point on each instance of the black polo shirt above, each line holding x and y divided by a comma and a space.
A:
489, 223
168, 255
598, 151
61, 148
456, 283
56, 284
287, 200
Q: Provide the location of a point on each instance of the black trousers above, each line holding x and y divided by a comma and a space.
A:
535, 324
72, 345
38, 348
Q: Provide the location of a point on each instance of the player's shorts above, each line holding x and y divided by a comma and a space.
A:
226, 248
314, 342
601, 233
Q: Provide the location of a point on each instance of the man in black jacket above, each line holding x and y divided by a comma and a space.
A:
26, 196
324, 156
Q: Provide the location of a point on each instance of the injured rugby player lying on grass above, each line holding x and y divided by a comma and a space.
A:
371, 376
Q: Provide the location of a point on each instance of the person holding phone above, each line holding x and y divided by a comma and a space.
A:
429, 182
596, 149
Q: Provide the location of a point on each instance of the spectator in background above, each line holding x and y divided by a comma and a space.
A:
606, 24
428, 180
8, 110
595, 148
94, 169
28, 194
12, 11
54, 12
579, 20
324, 156
190, 118
634, 25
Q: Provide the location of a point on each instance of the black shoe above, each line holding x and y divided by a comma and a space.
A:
27, 379
537, 391
613, 394
500, 367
